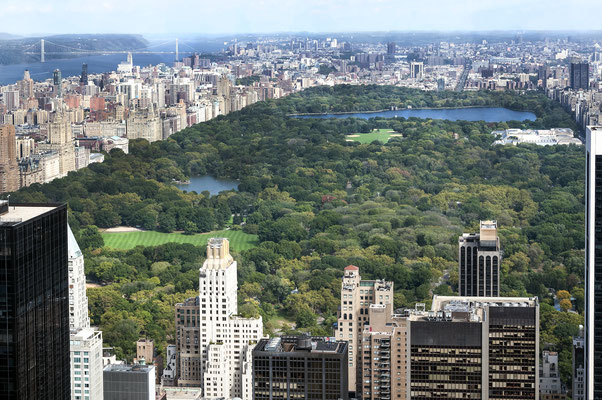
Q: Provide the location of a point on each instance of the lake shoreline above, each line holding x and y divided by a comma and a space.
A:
404, 109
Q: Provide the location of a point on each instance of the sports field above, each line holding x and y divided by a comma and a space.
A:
382, 135
128, 240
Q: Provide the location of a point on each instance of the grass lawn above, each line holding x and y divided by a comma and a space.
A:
128, 240
382, 135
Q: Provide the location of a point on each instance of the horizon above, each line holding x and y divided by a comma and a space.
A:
74, 17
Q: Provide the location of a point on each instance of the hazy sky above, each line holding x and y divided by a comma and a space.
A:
250, 16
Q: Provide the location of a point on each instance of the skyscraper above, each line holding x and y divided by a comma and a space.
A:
578, 392
356, 297
593, 263
391, 48
85, 343
579, 76
226, 340
298, 367
187, 343
57, 80
477, 348
479, 262
84, 77
9, 169
416, 69
34, 305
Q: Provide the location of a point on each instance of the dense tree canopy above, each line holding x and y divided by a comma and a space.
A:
319, 203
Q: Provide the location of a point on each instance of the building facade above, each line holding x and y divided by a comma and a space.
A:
34, 316
357, 296
578, 390
383, 355
550, 386
480, 348
479, 262
300, 367
131, 382
9, 168
579, 76
188, 343
226, 340
86, 364
593, 263
85, 343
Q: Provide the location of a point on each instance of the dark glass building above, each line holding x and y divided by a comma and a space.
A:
479, 262
84, 77
294, 367
34, 302
593, 263
579, 76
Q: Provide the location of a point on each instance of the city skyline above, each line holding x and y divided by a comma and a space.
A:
269, 16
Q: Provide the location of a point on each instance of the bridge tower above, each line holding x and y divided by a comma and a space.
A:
42, 50
177, 57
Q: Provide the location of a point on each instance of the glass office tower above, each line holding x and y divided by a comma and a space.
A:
34, 302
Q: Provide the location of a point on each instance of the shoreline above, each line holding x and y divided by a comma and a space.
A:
404, 109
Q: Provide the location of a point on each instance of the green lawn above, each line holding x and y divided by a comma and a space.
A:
128, 240
382, 135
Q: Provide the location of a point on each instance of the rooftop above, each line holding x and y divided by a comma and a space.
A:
18, 213
305, 344
136, 368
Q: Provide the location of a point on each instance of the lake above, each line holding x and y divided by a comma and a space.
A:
487, 114
9, 74
213, 185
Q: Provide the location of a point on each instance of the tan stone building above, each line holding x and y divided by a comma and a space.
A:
357, 296
9, 169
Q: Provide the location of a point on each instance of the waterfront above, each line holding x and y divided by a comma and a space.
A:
209, 183
487, 114
9, 74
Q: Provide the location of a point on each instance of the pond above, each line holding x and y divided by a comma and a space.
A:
213, 185
487, 114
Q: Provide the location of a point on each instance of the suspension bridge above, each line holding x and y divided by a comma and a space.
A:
45, 47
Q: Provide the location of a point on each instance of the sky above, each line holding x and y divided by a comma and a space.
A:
30, 17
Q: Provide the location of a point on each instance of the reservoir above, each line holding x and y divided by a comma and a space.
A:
487, 114
213, 185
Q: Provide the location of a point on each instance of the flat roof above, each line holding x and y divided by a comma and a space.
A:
21, 213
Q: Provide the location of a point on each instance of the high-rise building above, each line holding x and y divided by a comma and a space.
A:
472, 347
479, 262
78, 301
578, 392
60, 140
300, 367
593, 263
9, 168
12, 99
57, 80
34, 305
188, 343
84, 77
579, 76
550, 386
131, 382
86, 364
356, 297
170, 372
417, 69
85, 343
226, 340
383, 355
391, 48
